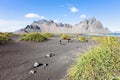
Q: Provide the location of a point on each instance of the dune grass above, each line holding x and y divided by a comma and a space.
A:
81, 38
65, 37
100, 63
8, 34
104, 39
34, 37
47, 35
3, 38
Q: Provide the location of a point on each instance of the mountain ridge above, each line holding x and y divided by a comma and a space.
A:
91, 25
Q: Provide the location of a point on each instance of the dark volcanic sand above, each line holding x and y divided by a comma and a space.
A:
17, 58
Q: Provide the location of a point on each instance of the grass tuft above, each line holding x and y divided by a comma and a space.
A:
100, 63
9, 34
81, 38
3, 38
47, 35
34, 37
65, 37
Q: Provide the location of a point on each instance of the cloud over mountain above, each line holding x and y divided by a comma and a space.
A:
83, 16
33, 15
73, 9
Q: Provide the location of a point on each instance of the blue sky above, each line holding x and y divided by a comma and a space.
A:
16, 14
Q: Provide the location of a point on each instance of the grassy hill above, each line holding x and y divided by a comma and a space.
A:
100, 63
34, 37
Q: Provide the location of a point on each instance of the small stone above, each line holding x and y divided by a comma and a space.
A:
49, 55
45, 65
32, 72
36, 64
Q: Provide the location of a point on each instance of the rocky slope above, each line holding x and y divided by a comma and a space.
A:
90, 26
86, 26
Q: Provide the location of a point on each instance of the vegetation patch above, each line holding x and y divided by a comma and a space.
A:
48, 35
101, 63
81, 38
65, 37
34, 37
9, 34
105, 39
3, 38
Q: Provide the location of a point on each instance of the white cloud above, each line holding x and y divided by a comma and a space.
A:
56, 21
73, 9
33, 15
83, 16
12, 25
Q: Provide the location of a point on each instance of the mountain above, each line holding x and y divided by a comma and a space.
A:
86, 26
90, 26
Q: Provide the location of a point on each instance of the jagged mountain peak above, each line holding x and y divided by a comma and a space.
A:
43, 21
85, 21
92, 20
91, 25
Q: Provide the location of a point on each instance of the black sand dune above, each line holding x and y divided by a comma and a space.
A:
17, 58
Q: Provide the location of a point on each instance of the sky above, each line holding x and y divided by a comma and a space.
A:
16, 14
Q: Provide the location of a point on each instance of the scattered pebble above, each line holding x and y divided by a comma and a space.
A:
45, 65
49, 55
32, 72
36, 64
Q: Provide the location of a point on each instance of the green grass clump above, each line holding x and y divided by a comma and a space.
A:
65, 37
34, 37
101, 63
3, 38
81, 38
1, 33
48, 35
104, 39
9, 34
